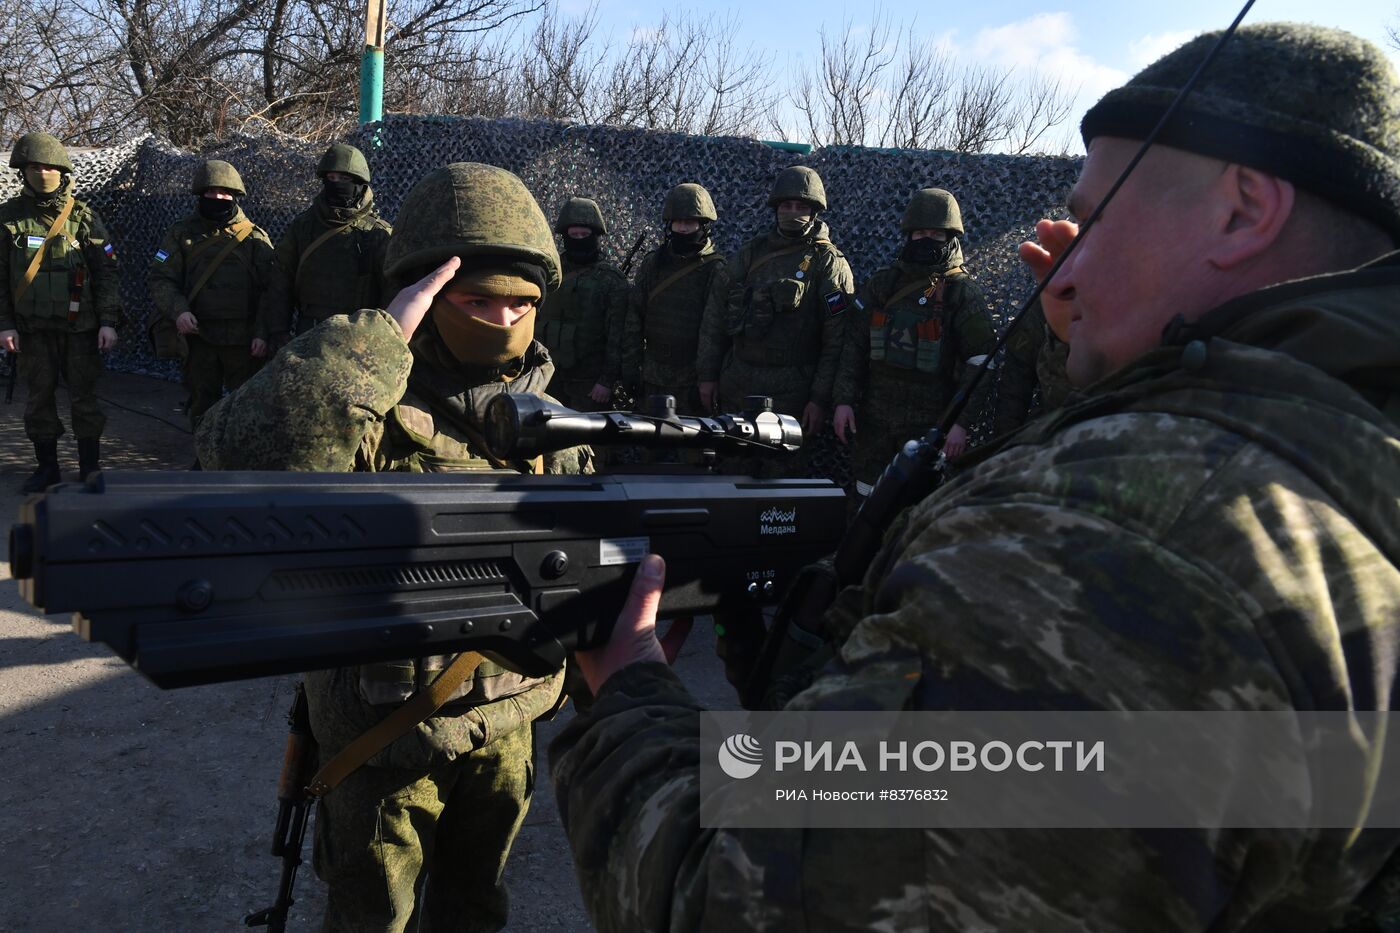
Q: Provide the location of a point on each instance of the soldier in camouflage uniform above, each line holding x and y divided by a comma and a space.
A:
1032, 380
208, 276
397, 391
918, 333
676, 285
58, 315
783, 323
331, 259
1212, 523
582, 322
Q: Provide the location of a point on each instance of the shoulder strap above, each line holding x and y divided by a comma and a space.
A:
418, 708
38, 260
678, 275
306, 253
768, 257
939, 283
240, 233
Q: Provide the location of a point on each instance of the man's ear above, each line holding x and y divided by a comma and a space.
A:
1256, 207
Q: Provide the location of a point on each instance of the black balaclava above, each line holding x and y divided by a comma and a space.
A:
217, 210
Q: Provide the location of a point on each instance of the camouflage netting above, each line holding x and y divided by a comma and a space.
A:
142, 187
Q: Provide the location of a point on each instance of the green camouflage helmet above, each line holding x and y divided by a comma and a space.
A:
932, 209
217, 173
344, 158
469, 209
798, 182
688, 201
41, 148
581, 212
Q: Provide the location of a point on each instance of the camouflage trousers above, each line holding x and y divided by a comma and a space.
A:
404, 850
894, 411
789, 388
44, 355
210, 368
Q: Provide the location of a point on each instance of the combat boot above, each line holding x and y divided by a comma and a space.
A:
89, 450
46, 452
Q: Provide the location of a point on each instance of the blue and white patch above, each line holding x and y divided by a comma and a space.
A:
859, 304
34, 242
836, 303
162, 255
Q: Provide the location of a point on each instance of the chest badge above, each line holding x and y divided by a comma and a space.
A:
802, 269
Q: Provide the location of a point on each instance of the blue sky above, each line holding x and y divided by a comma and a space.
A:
1095, 43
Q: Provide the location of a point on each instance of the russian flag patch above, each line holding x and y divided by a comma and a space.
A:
835, 303
110, 250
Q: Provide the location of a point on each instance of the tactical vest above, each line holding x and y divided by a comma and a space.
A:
232, 293
672, 322
769, 323
911, 330
57, 281
573, 322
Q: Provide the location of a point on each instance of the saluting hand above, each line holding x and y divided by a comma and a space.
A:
412, 304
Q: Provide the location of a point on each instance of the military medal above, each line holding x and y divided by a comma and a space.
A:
802, 269
923, 299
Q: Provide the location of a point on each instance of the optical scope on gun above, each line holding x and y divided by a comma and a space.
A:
212, 576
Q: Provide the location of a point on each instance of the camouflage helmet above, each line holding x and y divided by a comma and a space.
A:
687, 201
469, 209
344, 158
217, 173
932, 209
41, 148
798, 182
580, 212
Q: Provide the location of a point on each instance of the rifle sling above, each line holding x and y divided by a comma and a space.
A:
416, 709
240, 232
678, 275
33, 270
315, 244
795, 248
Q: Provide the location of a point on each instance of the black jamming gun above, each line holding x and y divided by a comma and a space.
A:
198, 578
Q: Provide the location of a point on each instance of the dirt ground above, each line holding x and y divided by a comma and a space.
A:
125, 807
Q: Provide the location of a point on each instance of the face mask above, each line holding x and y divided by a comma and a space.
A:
927, 251
794, 224
217, 209
43, 182
584, 249
688, 244
343, 194
474, 341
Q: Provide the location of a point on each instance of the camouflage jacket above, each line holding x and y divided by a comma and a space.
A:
227, 306
82, 245
1035, 359
346, 270
581, 322
785, 308
920, 324
1215, 527
671, 295
351, 395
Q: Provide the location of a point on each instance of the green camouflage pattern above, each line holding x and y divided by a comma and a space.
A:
41, 148
689, 201
1313, 105
345, 158
312, 287
581, 322
209, 368
82, 244
1032, 378
216, 173
351, 394
491, 213
775, 335
932, 209
1183, 536
894, 403
662, 332
369, 851
47, 354
228, 306
798, 182
580, 212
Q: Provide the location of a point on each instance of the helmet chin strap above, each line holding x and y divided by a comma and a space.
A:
960, 399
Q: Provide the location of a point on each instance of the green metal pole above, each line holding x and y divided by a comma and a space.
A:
371, 85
